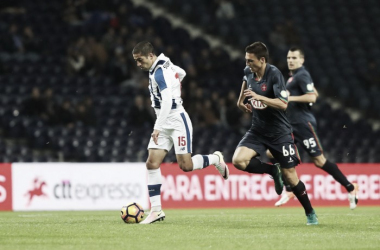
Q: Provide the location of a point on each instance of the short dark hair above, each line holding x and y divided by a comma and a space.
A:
259, 49
296, 48
143, 48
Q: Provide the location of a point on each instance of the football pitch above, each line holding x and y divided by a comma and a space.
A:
222, 229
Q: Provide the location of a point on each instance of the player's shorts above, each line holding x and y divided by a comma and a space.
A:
306, 135
282, 148
177, 131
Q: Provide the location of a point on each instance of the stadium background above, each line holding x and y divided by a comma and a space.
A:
91, 103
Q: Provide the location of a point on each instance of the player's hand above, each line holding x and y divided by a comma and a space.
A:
247, 108
155, 136
252, 94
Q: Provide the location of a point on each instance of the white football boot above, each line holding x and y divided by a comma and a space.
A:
284, 199
153, 217
222, 166
353, 196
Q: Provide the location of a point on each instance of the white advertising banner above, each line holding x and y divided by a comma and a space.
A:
78, 186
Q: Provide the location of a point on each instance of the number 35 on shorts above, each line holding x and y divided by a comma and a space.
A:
288, 151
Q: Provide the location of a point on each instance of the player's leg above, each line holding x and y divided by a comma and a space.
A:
182, 137
245, 159
333, 169
156, 156
311, 143
285, 197
286, 153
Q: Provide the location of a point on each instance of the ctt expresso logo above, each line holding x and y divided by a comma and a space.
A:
67, 189
79, 191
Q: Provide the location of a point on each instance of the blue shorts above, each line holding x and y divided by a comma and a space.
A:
306, 135
282, 147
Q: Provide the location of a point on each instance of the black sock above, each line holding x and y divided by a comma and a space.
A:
255, 166
300, 192
335, 172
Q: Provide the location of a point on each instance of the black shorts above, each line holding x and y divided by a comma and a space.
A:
282, 148
306, 135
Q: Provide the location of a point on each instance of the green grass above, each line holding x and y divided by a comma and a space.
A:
222, 229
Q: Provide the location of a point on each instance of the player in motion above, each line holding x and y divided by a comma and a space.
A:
301, 93
265, 86
172, 127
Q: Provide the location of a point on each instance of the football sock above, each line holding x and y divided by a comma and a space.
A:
154, 188
299, 191
335, 172
256, 166
203, 161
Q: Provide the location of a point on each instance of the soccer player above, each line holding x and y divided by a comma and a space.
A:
301, 93
172, 127
264, 85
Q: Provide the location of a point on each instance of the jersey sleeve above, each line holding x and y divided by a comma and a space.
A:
279, 89
246, 73
166, 102
181, 72
305, 83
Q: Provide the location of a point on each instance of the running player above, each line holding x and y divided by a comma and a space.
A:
172, 127
265, 86
302, 92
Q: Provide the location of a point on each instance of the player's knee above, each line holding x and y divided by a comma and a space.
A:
238, 163
151, 165
319, 161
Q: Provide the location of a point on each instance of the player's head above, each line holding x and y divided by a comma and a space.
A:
256, 56
144, 55
295, 58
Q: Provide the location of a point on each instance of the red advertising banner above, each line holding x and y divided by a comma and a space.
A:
5, 186
206, 188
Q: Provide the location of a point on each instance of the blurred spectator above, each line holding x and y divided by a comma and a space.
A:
99, 54
13, 40
232, 114
49, 114
225, 10
291, 35
65, 114
84, 116
11, 7
139, 115
31, 42
74, 11
34, 105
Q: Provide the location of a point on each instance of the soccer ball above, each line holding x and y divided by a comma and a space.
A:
132, 213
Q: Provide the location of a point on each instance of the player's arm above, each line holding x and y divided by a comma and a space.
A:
181, 72
166, 103
316, 92
240, 103
276, 103
308, 98
309, 95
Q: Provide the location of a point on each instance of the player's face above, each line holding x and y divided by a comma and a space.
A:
295, 60
253, 62
144, 62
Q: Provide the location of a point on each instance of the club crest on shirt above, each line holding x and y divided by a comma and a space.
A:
258, 104
264, 87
